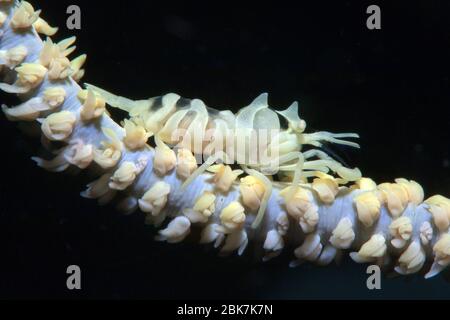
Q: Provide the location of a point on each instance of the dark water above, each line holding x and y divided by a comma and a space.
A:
390, 85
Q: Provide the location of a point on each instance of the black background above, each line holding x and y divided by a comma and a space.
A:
390, 85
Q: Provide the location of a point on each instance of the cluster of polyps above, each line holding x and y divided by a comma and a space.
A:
319, 213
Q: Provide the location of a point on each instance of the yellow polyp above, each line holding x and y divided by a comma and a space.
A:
343, 235
27, 111
441, 218
24, 16
203, 209
441, 252
310, 249
136, 136
83, 95
395, 196
76, 66
290, 193
401, 230
77, 76
15, 56
93, 104
58, 126
49, 52
165, 159
310, 219
442, 247
80, 155
186, 163
412, 259
368, 207
326, 187
439, 207
438, 200
267, 184
236, 240
57, 164
233, 216
374, 248
224, 176
59, 69
78, 62
208, 166
177, 230
299, 205
366, 184
93, 107
31, 74
155, 199
414, 190
43, 27
124, 176
274, 241
205, 204
107, 158
54, 96
252, 191
426, 233
111, 152
65, 44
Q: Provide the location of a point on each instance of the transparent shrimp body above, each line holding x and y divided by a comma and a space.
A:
253, 139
